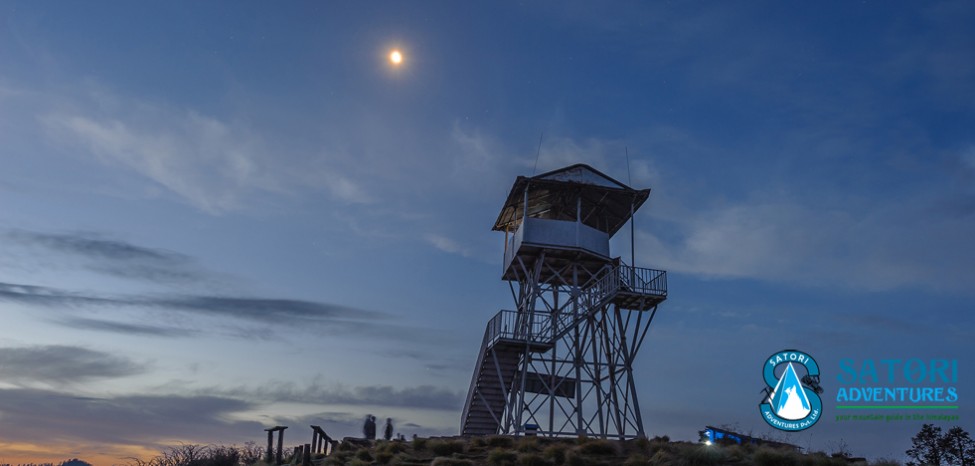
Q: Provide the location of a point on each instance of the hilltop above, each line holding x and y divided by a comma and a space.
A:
539, 451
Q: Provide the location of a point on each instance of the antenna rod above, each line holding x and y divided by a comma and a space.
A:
632, 241
538, 152
632, 228
629, 179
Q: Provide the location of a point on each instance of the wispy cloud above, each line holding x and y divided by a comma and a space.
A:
967, 159
446, 244
260, 309
116, 257
215, 164
266, 310
31, 414
434, 361
51, 297
201, 159
419, 397
784, 240
231, 315
62, 365
125, 328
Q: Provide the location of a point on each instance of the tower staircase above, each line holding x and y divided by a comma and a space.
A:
512, 336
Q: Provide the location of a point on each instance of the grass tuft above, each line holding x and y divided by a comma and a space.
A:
774, 457
556, 453
599, 447
445, 447
502, 457
444, 461
420, 443
501, 441
532, 459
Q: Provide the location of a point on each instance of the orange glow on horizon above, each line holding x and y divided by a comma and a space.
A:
97, 455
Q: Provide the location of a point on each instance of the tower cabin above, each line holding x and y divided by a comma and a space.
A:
568, 216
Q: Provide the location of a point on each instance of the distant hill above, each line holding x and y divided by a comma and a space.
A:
540, 451
71, 462
75, 462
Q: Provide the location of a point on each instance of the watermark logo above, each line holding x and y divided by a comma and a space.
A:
791, 403
891, 390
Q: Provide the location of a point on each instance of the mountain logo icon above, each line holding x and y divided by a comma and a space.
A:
791, 403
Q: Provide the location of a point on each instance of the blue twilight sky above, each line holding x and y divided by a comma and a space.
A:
221, 216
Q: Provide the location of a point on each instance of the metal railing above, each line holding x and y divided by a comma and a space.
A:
643, 281
635, 280
510, 325
538, 327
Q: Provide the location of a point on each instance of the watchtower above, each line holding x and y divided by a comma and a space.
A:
561, 363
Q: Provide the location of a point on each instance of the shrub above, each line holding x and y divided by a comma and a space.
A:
598, 447
636, 459
555, 453
701, 455
442, 461
364, 455
391, 447
338, 458
885, 462
773, 457
666, 448
642, 444
384, 457
528, 444
819, 459
501, 457
347, 446
574, 459
735, 453
419, 443
662, 456
205, 455
500, 441
446, 447
403, 459
531, 459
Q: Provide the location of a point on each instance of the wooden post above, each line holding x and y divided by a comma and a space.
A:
320, 441
270, 445
315, 438
280, 442
306, 458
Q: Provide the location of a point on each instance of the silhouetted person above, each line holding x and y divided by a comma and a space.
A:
388, 430
369, 428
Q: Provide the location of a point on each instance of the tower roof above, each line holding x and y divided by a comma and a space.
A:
554, 195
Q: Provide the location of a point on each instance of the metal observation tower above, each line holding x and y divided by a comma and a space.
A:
561, 363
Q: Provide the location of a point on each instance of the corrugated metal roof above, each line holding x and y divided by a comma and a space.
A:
605, 202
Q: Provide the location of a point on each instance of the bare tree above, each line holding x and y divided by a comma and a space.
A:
204, 455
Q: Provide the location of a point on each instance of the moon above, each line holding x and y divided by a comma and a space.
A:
395, 57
